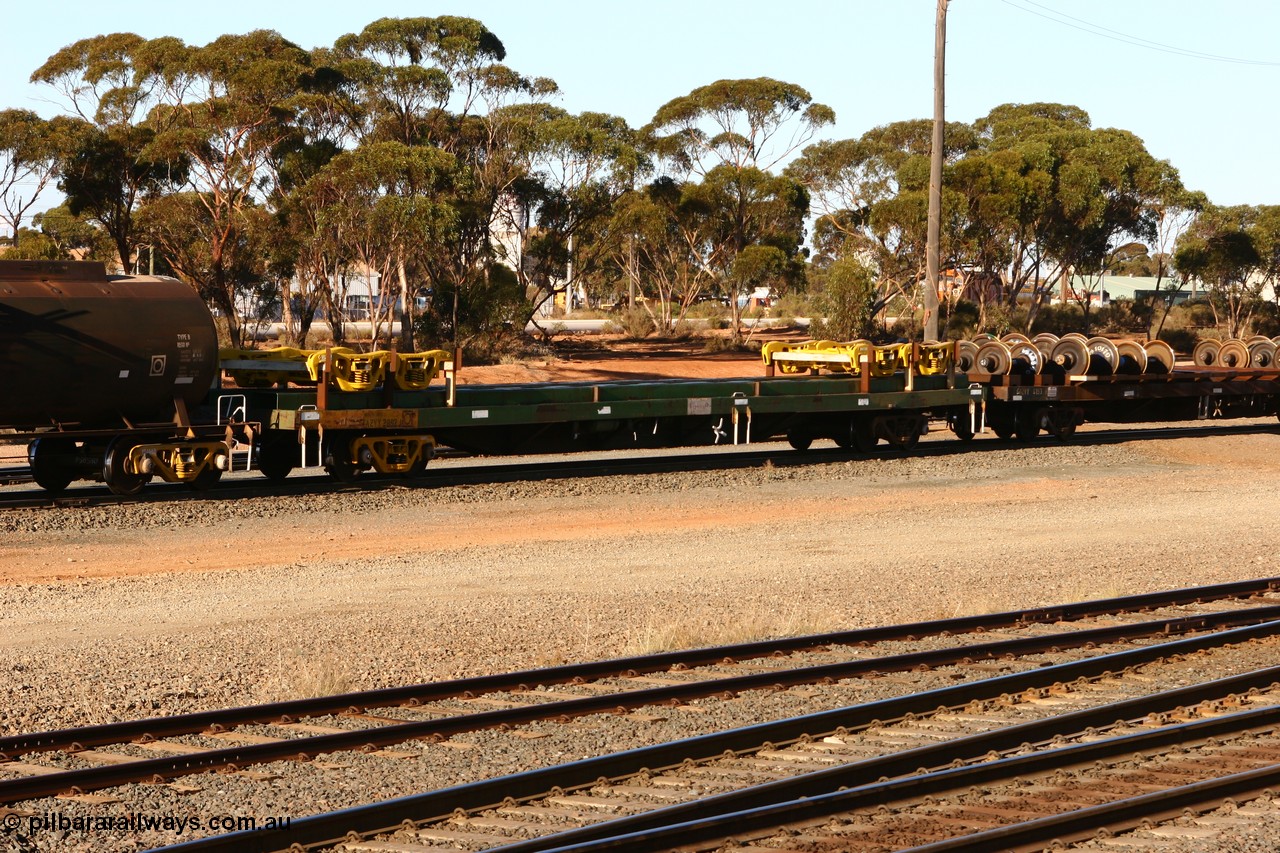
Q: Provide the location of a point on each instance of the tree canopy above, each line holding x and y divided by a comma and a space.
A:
406, 171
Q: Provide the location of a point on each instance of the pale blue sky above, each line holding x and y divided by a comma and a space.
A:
870, 60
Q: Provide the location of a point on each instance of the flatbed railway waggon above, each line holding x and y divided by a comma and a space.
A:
118, 379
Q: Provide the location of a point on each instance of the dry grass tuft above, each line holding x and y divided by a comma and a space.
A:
300, 675
720, 628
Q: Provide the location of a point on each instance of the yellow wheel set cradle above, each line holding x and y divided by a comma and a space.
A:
932, 359
351, 370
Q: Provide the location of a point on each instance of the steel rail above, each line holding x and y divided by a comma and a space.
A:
333, 827
845, 789
95, 778
201, 721
1123, 814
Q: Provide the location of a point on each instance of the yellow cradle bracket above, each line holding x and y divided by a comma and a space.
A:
888, 360
265, 377
773, 348
351, 370
935, 359
394, 454
814, 355
848, 356
415, 370
181, 462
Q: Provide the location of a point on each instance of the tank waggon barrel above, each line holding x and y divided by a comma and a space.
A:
108, 367
79, 347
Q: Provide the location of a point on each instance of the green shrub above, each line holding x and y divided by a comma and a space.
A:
636, 323
791, 306
1183, 341
959, 320
708, 309
849, 301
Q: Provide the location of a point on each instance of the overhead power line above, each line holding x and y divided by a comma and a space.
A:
1082, 25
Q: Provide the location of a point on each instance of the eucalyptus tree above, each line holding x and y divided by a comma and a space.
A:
870, 195
647, 239
1235, 251
1173, 217
31, 149
241, 101
58, 235
439, 83
110, 83
382, 206
491, 147
730, 134
411, 80
576, 168
1047, 194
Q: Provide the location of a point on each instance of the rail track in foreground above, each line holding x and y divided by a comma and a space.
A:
74, 762
466, 470
1065, 749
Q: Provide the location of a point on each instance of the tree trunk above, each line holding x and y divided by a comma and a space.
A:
406, 310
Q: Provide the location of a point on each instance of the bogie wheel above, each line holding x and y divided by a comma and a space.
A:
115, 473
799, 440
1027, 425
1063, 422
903, 431
962, 426
1002, 429
862, 434
206, 479
419, 466
46, 456
337, 461
277, 456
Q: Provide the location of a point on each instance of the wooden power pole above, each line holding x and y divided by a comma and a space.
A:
933, 251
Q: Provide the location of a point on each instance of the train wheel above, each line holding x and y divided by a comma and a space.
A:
1002, 429
903, 431
799, 440
277, 456
860, 435
46, 456
962, 426
419, 467
206, 479
1062, 423
1027, 425
337, 461
114, 470
342, 471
